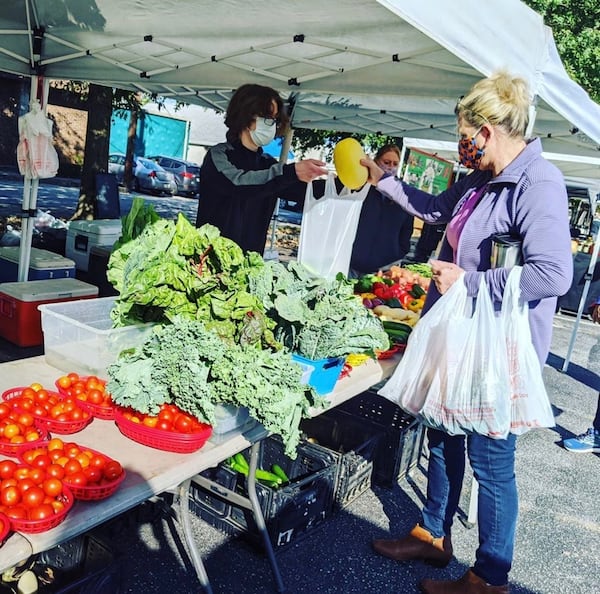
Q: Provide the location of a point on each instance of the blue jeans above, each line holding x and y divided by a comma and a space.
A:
493, 463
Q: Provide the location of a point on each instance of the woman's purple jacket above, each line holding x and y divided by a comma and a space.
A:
529, 200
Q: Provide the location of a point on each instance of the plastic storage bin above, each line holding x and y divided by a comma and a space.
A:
229, 417
42, 265
400, 447
83, 235
290, 512
20, 319
83, 565
78, 336
324, 373
352, 442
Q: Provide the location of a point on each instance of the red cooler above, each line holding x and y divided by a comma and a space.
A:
20, 319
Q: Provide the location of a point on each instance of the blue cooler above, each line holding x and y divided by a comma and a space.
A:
43, 265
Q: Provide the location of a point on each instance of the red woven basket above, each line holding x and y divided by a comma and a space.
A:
62, 427
87, 492
170, 441
4, 528
12, 449
101, 412
36, 526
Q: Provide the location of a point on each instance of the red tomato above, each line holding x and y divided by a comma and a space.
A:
55, 471
93, 475
33, 497
164, 425
4, 410
41, 512
10, 496
95, 396
77, 479
72, 466
52, 487
183, 423
41, 461
25, 484
98, 461
112, 470
7, 468
37, 475
16, 512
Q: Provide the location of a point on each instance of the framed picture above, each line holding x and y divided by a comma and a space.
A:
426, 171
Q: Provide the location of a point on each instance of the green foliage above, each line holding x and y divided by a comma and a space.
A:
576, 28
305, 139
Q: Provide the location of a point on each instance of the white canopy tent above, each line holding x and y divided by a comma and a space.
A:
390, 66
393, 66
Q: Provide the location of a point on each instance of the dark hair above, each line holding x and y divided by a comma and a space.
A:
250, 101
387, 148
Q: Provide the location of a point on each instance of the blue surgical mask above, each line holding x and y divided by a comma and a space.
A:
264, 131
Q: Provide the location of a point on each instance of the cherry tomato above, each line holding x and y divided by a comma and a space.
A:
77, 479
72, 466
93, 475
64, 382
7, 468
10, 496
183, 423
52, 487
112, 470
41, 512
16, 512
55, 471
55, 444
33, 497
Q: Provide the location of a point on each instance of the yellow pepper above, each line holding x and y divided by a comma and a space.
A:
415, 305
367, 295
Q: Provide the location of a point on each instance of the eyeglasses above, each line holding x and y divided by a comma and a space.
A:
270, 121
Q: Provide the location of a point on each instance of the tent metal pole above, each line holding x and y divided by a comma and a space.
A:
586, 287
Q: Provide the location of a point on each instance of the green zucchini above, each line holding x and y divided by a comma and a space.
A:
277, 470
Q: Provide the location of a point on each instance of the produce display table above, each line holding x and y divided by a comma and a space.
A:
149, 475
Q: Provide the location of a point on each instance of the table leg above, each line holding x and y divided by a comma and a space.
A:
258, 516
184, 513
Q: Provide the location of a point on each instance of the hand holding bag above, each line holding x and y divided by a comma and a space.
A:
328, 229
454, 373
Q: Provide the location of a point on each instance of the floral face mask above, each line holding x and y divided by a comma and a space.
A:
469, 154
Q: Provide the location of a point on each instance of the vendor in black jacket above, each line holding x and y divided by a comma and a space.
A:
239, 184
384, 229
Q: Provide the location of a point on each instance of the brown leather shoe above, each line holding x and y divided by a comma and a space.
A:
467, 584
419, 544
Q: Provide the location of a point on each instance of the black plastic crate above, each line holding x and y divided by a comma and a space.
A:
290, 511
82, 565
399, 450
353, 442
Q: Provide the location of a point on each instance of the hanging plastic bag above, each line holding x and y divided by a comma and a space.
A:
36, 155
454, 373
328, 229
530, 405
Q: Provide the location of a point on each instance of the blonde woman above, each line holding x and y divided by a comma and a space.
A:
513, 190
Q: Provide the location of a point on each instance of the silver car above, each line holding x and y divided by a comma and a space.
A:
147, 175
187, 173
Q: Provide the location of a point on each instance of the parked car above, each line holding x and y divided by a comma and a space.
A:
148, 175
187, 173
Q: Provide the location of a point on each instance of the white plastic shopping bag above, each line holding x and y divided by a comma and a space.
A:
454, 373
328, 229
529, 400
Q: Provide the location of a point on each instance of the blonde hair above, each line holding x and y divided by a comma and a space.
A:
500, 100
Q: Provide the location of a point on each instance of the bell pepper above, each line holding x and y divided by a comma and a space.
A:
415, 305
405, 298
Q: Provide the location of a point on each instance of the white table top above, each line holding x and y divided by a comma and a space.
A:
149, 471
